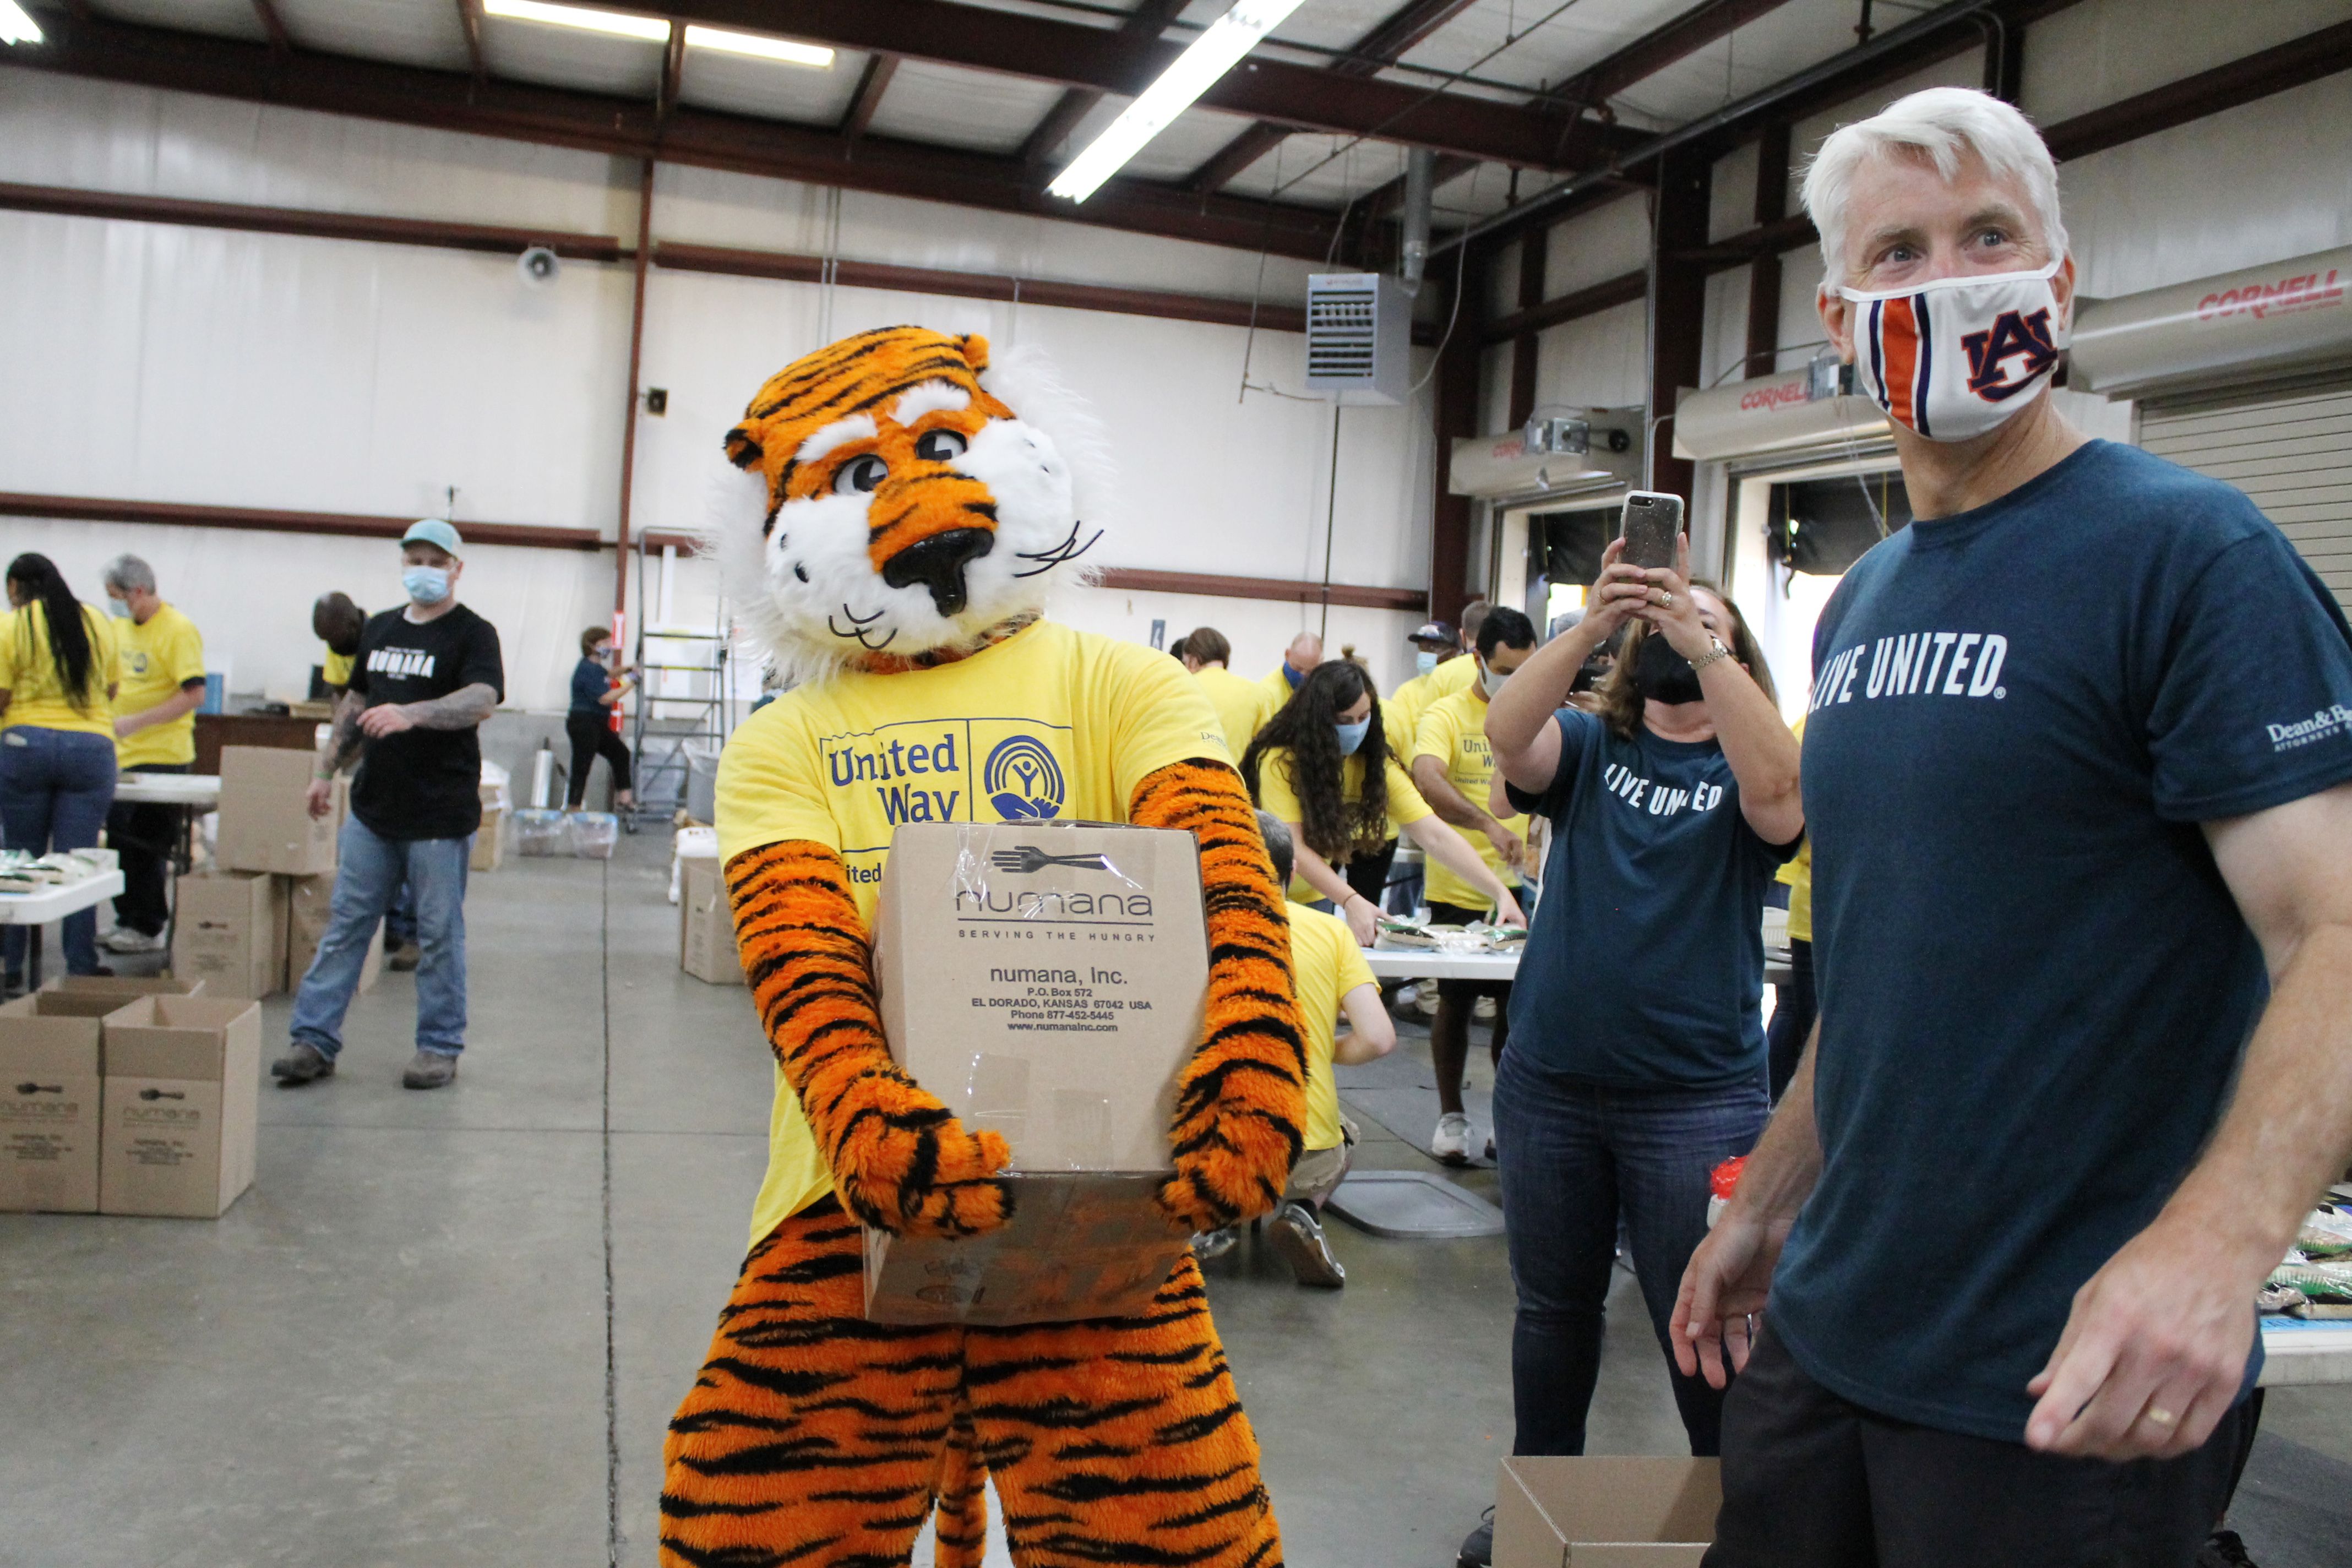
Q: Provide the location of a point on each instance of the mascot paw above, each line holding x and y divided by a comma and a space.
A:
921, 1173
1233, 1172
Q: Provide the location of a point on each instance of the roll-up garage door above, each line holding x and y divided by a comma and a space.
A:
2288, 447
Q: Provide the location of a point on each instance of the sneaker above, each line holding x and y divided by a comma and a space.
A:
430, 1069
2225, 1550
122, 939
1298, 1237
1478, 1546
1452, 1141
1407, 998
1483, 1009
306, 1063
1215, 1243
403, 958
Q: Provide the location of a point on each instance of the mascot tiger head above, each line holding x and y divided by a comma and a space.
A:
896, 501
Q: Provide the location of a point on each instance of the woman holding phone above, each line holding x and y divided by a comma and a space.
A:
1324, 765
1637, 1056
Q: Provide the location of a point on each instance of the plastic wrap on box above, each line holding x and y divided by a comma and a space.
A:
593, 834
540, 832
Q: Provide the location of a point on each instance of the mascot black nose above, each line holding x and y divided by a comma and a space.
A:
937, 564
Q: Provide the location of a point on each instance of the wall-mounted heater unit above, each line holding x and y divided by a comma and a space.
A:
1358, 337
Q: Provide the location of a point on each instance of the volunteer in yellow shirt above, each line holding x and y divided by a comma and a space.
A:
1332, 978
57, 675
162, 685
1439, 671
1313, 766
337, 622
1243, 706
1453, 767
1281, 683
1794, 1006
1076, 722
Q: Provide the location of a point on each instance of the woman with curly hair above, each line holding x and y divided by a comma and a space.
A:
1311, 767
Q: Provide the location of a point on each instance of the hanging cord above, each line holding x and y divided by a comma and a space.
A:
829, 273
1330, 522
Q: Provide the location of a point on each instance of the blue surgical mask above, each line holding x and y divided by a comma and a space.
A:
1292, 676
426, 585
1424, 661
1353, 735
118, 609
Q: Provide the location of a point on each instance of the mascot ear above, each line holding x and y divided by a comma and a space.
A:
741, 450
975, 352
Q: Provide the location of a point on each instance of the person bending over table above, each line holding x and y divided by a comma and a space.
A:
1636, 1058
1454, 766
162, 685
1313, 766
58, 672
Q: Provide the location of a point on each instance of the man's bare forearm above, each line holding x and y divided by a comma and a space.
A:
461, 710
1781, 1173
1444, 799
342, 735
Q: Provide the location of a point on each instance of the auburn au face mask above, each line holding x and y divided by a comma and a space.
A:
1954, 358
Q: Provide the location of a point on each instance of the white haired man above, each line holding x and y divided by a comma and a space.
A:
2071, 813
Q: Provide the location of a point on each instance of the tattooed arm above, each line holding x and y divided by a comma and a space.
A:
342, 745
461, 710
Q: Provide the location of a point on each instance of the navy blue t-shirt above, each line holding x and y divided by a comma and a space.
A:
589, 681
2034, 983
1645, 966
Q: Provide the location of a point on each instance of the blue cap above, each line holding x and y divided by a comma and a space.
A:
434, 531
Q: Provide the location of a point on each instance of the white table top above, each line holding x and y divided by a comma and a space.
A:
1425, 964
168, 789
2300, 1354
56, 903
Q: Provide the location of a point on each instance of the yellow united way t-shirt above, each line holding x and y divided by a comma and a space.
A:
1453, 731
1275, 795
335, 669
1327, 964
1243, 706
1051, 723
158, 658
1400, 712
29, 674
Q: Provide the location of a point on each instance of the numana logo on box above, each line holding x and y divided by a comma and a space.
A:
990, 898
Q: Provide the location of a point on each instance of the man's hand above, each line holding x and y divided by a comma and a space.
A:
1723, 1288
1509, 846
124, 727
321, 798
2154, 1352
387, 718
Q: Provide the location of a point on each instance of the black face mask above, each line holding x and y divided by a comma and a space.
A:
1662, 675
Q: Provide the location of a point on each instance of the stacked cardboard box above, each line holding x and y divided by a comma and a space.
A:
264, 816
1047, 980
309, 902
230, 932
706, 923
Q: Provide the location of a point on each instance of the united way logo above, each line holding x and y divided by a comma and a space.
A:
1022, 780
2013, 335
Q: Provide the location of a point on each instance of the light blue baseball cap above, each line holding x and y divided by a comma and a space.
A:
434, 531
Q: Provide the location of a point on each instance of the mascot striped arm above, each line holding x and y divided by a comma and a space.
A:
892, 517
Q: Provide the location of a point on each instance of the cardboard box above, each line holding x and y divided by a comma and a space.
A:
310, 904
96, 995
265, 818
182, 1087
230, 933
1046, 981
490, 842
706, 924
50, 1099
1557, 1512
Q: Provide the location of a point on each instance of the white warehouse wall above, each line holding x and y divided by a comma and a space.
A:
252, 370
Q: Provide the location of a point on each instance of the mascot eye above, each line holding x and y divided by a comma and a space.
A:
940, 445
859, 475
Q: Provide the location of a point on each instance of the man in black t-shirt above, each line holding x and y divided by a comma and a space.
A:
425, 678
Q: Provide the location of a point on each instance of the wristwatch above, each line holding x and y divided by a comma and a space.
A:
1702, 660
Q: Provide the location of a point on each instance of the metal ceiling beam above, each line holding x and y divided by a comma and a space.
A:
1670, 42
448, 100
2244, 80
1144, 24
1383, 45
1306, 98
879, 70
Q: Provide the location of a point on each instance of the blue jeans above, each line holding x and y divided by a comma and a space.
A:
400, 921
1572, 1156
368, 874
54, 789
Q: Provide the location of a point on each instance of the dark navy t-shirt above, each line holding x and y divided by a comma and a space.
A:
1645, 964
2034, 985
589, 681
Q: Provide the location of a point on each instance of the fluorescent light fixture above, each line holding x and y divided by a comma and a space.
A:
16, 26
651, 28
752, 44
1216, 51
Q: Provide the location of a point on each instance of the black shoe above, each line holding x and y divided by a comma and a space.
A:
403, 958
2225, 1550
1478, 1546
429, 1069
306, 1063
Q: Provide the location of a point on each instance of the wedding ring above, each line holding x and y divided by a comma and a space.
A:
1666, 600
2161, 1418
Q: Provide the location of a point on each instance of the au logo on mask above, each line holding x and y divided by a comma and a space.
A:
2012, 335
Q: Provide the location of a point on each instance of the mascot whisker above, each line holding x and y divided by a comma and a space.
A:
895, 515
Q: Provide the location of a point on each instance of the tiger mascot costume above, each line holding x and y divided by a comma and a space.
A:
896, 523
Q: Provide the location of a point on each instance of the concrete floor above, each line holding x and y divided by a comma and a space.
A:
448, 1327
